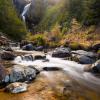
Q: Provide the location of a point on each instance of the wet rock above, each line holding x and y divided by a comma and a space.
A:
83, 57
37, 71
8, 49
39, 57
33, 57
95, 68
27, 58
51, 69
61, 52
85, 53
28, 47
39, 48
16, 87
3, 73
96, 47
85, 60
7, 55
22, 74
46, 60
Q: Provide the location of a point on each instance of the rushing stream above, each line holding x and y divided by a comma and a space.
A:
72, 69
49, 84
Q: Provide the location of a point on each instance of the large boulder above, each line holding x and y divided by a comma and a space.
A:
3, 73
28, 47
16, 87
83, 57
61, 52
7, 55
85, 53
22, 74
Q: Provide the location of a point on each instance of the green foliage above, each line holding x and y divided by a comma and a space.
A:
86, 12
91, 15
39, 39
75, 46
10, 24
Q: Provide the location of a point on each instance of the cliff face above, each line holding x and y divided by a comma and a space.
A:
20, 4
10, 23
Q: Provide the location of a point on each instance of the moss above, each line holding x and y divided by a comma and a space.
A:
75, 46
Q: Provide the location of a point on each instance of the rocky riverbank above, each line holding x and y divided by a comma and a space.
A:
24, 74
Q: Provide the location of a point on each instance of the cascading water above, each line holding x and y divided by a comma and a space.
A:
72, 69
26, 8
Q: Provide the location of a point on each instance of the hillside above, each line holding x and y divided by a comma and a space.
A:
10, 24
65, 21
44, 15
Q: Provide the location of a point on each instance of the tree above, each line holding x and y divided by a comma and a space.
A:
10, 24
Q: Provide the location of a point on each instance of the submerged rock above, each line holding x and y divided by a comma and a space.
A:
7, 55
52, 69
61, 52
16, 87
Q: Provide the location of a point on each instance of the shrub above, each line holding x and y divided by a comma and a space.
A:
75, 46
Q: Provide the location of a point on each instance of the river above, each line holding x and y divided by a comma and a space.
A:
50, 85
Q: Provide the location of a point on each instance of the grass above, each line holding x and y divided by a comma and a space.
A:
81, 39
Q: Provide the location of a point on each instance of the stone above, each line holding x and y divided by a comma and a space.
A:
85, 53
85, 60
28, 47
83, 57
95, 68
7, 55
33, 57
39, 48
8, 49
39, 57
51, 69
16, 87
61, 52
3, 73
22, 74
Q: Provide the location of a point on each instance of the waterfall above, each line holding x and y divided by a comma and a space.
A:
26, 8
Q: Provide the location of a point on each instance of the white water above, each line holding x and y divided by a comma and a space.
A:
26, 8
72, 69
